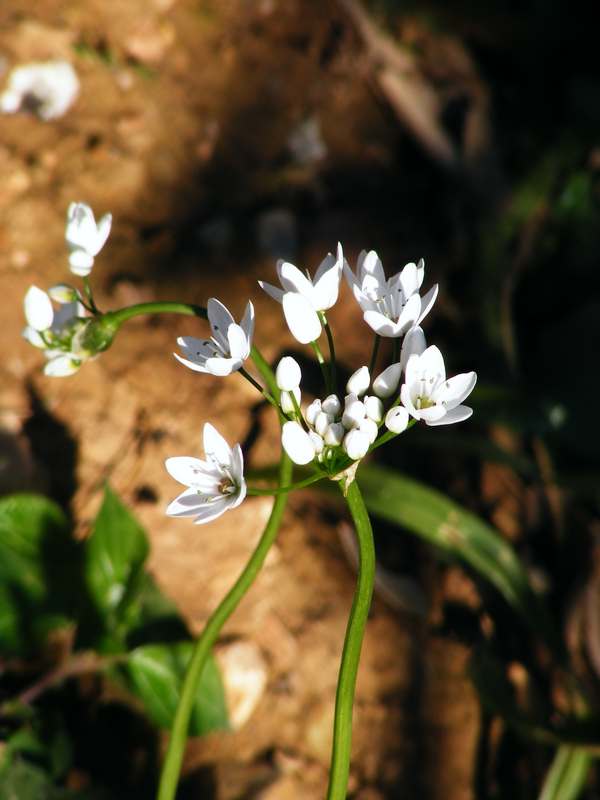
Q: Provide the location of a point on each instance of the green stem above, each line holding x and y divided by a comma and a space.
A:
174, 756
254, 491
332, 362
257, 386
385, 437
90, 297
158, 307
325, 372
374, 352
344, 700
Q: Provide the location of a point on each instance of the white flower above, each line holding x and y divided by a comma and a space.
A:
413, 343
302, 297
354, 412
228, 347
427, 395
214, 486
46, 89
57, 333
297, 443
388, 381
390, 306
84, 237
369, 427
334, 434
359, 382
288, 374
331, 405
396, 419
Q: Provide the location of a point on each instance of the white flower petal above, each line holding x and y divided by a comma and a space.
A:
38, 309
220, 319
371, 265
197, 366
272, 291
458, 414
413, 344
185, 505
287, 403
301, 318
396, 419
334, 435
373, 408
409, 314
331, 405
221, 367
247, 323
63, 293
369, 427
293, 280
194, 472
237, 342
327, 286
456, 389
312, 411
81, 263
433, 413
216, 448
427, 302
61, 366
237, 465
409, 279
297, 443
317, 441
407, 399
211, 511
103, 232
381, 324
33, 337
432, 362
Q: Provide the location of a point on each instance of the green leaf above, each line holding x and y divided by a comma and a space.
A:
21, 780
115, 556
155, 673
39, 567
157, 617
443, 523
567, 775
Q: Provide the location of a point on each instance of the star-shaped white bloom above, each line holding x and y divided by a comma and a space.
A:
84, 237
228, 347
45, 89
214, 486
390, 306
302, 297
428, 395
57, 333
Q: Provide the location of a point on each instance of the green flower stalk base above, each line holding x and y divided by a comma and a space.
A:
344, 700
172, 764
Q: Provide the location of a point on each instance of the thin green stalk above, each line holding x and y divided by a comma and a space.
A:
172, 764
332, 363
374, 352
259, 388
90, 297
325, 372
344, 700
254, 491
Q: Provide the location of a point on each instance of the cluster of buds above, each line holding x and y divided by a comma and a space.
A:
70, 334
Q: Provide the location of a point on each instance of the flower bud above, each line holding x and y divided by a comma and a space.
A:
322, 422
288, 374
38, 309
63, 293
386, 384
356, 444
354, 412
358, 383
317, 442
370, 428
312, 411
331, 405
286, 402
373, 408
334, 434
297, 443
396, 419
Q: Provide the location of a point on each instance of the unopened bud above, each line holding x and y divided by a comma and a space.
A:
386, 384
356, 444
396, 419
373, 408
358, 383
288, 374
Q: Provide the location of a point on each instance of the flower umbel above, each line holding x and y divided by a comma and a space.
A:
228, 347
85, 238
215, 485
58, 333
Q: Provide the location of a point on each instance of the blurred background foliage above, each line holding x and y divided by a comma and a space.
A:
481, 152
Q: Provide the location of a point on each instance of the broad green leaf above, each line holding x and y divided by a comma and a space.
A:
435, 518
39, 569
157, 618
22, 780
115, 556
155, 673
567, 774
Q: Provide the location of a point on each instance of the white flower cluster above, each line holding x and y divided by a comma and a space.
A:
331, 433
46, 89
59, 333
